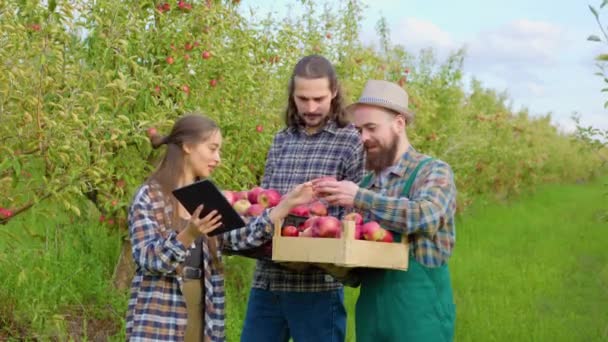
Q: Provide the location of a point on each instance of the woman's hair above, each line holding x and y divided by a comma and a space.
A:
191, 129
314, 67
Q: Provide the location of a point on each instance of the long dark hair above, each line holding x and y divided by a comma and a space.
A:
192, 128
313, 67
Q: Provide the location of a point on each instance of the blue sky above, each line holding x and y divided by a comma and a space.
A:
535, 50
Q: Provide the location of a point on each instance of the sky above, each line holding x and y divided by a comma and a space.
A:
537, 51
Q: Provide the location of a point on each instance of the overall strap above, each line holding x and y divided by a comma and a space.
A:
364, 183
410, 181
408, 186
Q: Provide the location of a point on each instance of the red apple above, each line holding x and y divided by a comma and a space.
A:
151, 132
269, 198
253, 194
213, 82
255, 210
388, 236
290, 231
170, 60
372, 231
309, 223
242, 195
308, 232
230, 196
120, 183
5, 213
317, 208
301, 210
188, 47
355, 217
259, 128
328, 35
358, 232
328, 227
186, 89
241, 206
206, 54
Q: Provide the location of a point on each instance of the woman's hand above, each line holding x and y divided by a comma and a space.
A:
300, 194
205, 225
199, 226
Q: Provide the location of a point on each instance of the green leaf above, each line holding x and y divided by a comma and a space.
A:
604, 3
603, 57
594, 38
594, 11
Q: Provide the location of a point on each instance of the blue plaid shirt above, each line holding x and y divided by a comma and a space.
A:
296, 157
425, 215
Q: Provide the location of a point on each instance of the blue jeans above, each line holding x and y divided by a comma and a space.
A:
304, 316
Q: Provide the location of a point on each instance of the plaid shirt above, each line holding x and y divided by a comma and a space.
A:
156, 309
296, 157
426, 215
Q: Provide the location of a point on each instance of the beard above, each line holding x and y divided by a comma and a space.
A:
382, 157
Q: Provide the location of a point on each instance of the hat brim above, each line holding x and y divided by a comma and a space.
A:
400, 110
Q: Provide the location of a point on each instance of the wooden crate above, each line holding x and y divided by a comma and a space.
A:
345, 251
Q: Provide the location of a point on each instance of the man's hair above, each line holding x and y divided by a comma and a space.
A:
315, 67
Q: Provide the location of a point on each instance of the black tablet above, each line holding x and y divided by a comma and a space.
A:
206, 193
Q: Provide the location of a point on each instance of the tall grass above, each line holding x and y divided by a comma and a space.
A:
56, 279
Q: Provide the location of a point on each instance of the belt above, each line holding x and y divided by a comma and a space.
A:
192, 273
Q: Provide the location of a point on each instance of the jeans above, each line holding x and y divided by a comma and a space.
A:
304, 316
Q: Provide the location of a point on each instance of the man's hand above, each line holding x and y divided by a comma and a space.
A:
340, 193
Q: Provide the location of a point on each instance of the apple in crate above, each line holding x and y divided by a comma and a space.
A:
356, 217
253, 194
255, 210
230, 196
269, 198
388, 236
372, 231
358, 232
242, 195
309, 223
317, 208
290, 231
327, 227
301, 211
241, 206
307, 232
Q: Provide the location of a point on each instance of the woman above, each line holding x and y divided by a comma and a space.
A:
162, 231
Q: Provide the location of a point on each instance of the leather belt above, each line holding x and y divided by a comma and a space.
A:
192, 273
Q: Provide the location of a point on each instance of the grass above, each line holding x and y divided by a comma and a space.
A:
56, 279
535, 269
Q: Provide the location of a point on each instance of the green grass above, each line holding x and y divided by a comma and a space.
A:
56, 279
532, 270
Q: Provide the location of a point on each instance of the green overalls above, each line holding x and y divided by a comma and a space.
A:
412, 305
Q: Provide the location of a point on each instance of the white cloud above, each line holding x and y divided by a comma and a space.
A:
415, 34
519, 43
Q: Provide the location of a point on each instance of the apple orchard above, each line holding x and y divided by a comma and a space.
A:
83, 83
